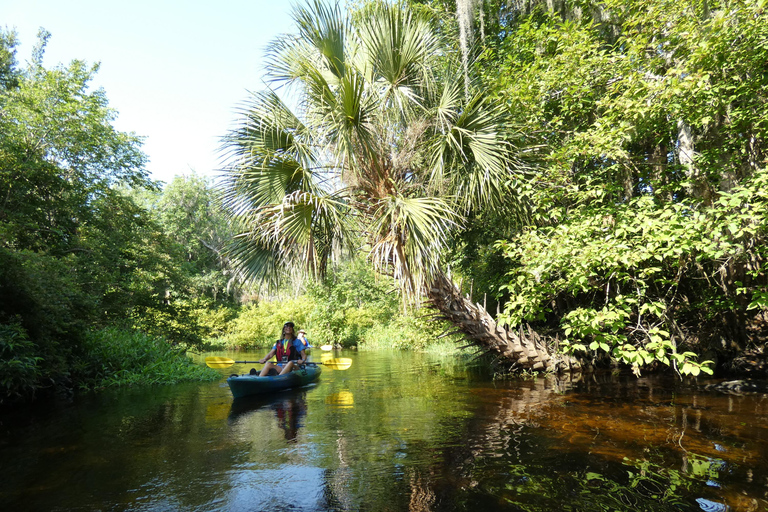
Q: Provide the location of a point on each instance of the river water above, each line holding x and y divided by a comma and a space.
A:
394, 432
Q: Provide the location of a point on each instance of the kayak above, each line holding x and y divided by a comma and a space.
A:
246, 385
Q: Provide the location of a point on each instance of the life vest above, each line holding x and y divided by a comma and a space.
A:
287, 355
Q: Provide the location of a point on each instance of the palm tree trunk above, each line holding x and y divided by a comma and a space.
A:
523, 350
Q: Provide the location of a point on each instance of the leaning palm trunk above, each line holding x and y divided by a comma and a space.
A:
523, 349
385, 152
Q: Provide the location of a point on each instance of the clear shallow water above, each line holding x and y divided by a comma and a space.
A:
395, 432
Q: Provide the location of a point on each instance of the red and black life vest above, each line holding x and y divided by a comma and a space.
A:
290, 355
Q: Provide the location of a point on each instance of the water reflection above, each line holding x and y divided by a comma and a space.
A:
289, 408
711, 506
639, 445
395, 432
343, 399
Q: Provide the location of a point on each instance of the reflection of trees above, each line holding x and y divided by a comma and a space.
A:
420, 442
422, 498
603, 445
117, 443
424, 442
337, 493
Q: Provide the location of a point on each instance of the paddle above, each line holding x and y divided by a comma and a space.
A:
341, 363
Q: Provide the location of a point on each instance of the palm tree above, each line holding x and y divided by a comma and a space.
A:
383, 146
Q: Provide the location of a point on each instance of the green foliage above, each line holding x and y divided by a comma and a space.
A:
19, 368
411, 151
190, 213
260, 325
402, 332
349, 302
116, 357
77, 249
646, 239
41, 293
213, 319
353, 307
57, 134
640, 270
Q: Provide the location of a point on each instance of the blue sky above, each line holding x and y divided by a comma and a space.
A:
174, 70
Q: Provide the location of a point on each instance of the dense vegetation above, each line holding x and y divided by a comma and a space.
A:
601, 172
646, 238
107, 279
78, 251
594, 172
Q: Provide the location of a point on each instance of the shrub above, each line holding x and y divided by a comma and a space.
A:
402, 333
118, 357
19, 370
259, 325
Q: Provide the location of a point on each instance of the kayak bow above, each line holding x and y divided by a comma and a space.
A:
246, 385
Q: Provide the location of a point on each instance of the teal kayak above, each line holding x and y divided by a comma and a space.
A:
246, 385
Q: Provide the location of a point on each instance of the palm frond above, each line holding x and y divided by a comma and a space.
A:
410, 235
378, 149
302, 231
284, 59
399, 45
326, 29
469, 151
268, 155
255, 259
352, 119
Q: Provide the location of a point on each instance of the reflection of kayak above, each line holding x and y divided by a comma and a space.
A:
245, 385
285, 399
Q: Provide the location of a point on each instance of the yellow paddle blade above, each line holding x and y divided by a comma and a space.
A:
219, 362
341, 363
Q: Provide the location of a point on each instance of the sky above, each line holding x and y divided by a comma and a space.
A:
175, 71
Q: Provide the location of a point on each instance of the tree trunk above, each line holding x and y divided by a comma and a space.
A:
521, 350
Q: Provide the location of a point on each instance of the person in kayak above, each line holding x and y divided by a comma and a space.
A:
302, 336
288, 349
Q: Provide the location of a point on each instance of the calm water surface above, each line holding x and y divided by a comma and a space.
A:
395, 432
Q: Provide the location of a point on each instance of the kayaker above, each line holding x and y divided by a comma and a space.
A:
288, 349
302, 337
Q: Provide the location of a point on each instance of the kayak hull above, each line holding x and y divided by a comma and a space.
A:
248, 385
